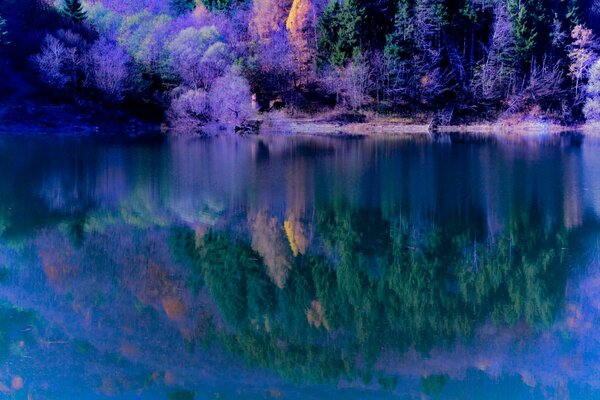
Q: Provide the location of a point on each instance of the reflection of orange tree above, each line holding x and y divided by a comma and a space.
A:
380, 284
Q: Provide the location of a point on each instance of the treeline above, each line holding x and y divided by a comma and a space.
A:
204, 61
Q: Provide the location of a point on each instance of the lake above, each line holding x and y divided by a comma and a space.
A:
299, 268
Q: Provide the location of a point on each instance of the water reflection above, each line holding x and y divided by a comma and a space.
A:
298, 268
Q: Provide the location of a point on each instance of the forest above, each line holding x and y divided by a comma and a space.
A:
197, 63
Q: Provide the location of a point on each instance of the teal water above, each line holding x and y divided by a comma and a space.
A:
299, 268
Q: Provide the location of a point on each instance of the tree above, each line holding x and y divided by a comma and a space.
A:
181, 7
73, 9
356, 82
219, 5
198, 56
230, 99
189, 110
109, 68
591, 109
269, 16
327, 29
581, 54
300, 24
400, 42
52, 62
531, 20
494, 74
349, 24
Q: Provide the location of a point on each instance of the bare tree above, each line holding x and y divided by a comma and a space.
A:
356, 83
230, 99
494, 76
109, 69
51, 62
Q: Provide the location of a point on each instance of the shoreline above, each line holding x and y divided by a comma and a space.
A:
31, 119
379, 127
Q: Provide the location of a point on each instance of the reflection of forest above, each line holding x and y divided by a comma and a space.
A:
374, 285
318, 260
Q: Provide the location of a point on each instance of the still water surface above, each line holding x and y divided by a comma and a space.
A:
299, 268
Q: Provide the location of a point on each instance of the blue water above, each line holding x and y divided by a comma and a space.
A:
299, 268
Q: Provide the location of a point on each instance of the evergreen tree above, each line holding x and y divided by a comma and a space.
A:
181, 7
328, 29
573, 13
73, 9
400, 42
220, 5
531, 28
349, 24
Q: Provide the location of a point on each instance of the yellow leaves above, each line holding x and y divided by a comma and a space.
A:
298, 17
290, 235
299, 23
316, 315
295, 235
268, 15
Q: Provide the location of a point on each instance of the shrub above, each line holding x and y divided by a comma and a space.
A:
189, 109
591, 109
230, 99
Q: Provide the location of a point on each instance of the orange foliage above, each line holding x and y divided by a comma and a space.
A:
174, 308
268, 16
300, 24
316, 315
59, 266
16, 383
267, 240
170, 378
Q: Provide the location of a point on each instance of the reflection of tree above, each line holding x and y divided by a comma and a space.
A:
379, 283
4, 219
267, 240
236, 278
15, 329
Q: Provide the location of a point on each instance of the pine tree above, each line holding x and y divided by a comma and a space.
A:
327, 33
524, 31
349, 23
400, 42
573, 13
181, 7
220, 5
73, 9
